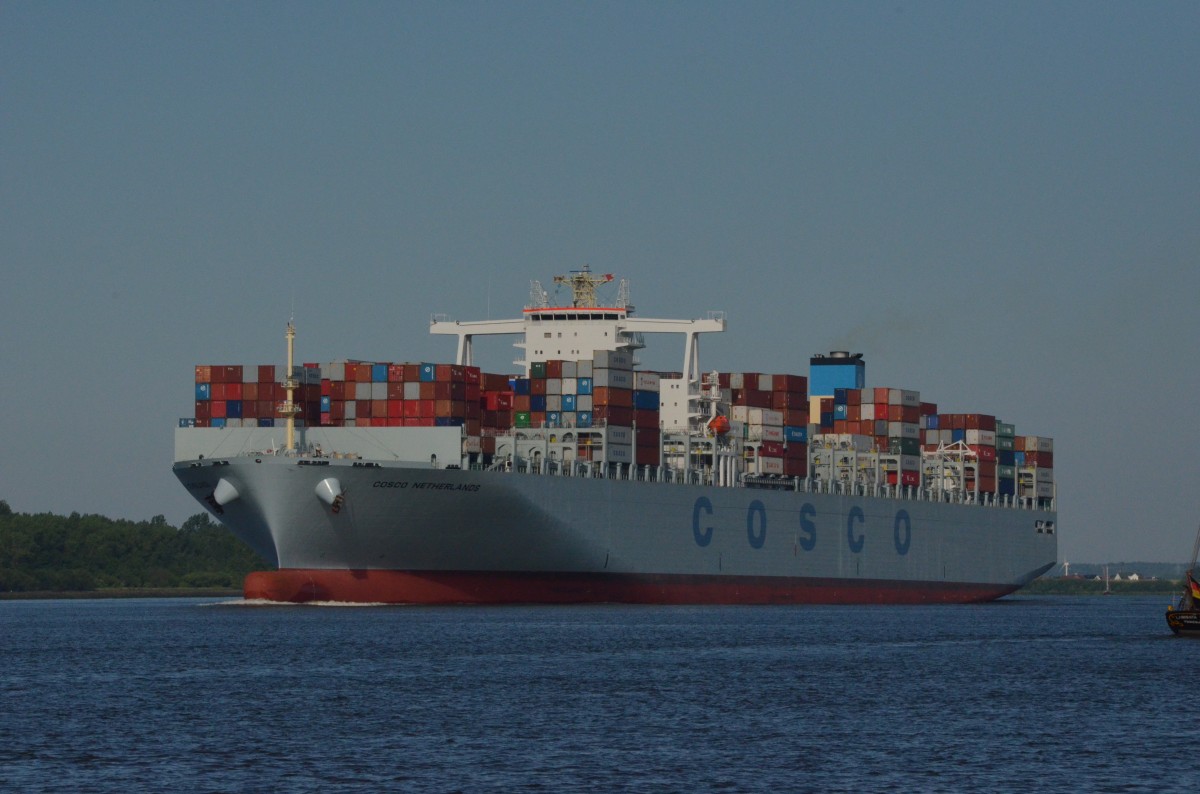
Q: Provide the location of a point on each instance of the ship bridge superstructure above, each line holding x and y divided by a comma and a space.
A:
576, 328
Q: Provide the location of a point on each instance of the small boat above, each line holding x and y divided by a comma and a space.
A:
1184, 617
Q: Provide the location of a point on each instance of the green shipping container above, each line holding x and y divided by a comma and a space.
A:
522, 419
1005, 429
538, 370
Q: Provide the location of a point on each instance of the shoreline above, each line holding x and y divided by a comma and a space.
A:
124, 592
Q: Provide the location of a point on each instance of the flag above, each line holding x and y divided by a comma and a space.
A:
1195, 587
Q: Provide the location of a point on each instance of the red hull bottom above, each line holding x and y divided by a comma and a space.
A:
438, 587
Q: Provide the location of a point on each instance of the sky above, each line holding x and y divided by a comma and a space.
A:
996, 203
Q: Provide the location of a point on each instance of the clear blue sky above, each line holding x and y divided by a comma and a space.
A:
995, 202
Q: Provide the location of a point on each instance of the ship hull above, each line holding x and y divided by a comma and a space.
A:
405, 533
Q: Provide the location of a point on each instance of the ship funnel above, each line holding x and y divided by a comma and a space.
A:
224, 493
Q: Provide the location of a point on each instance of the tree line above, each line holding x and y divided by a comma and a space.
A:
43, 551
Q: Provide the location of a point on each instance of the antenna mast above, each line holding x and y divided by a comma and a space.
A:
583, 286
288, 407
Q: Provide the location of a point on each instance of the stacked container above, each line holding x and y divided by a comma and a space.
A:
250, 396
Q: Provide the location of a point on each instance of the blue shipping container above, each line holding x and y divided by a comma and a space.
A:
203, 391
839, 396
645, 400
568, 402
826, 418
583, 385
1007, 457
521, 386
931, 422
584, 419
428, 373
958, 435
839, 410
795, 434
1018, 459
266, 422
187, 422
218, 422
448, 421
379, 373
325, 405
233, 409
553, 418
537, 402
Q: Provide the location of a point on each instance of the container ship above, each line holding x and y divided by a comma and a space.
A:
584, 478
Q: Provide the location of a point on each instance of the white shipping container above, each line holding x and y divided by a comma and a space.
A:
646, 381
472, 444
553, 402
619, 435
766, 382
984, 438
866, 411
583, 402
553, 386
765, 416
362, 391
412, 391
1041, 474
379, 391
569, 385
769, 465
904, 397
350, 412
769, 432
612, 378
569, 368
612, 359
910, 462
619, 453
946, 436
853, 441
737, 380
739, 413
1045, 489
583, 369
904, 430
1039, 444
335, 371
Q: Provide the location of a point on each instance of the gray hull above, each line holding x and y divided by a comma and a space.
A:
695, 543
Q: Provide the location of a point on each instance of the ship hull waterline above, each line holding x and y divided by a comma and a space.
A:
439, 536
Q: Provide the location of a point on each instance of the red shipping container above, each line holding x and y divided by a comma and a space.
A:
473, 392
752, 398
326, 419
646, 436
203, 422
521, 403
266, 373
826, 405
537, 386
928, 409
395, 390
250, 409
472, 410
411, 409
1043, 460
233, 391
604, 395
395, 410
880, 395
362, 409
789, 383
337, 410
841, 426
771, 449
554, 368
472, 375
646, 456
425, 410
795, 450
795, 467
613, 414
203, 373
984, 453
456, 390
218, 409
203, 409
647, 419
473, 427
986, 468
